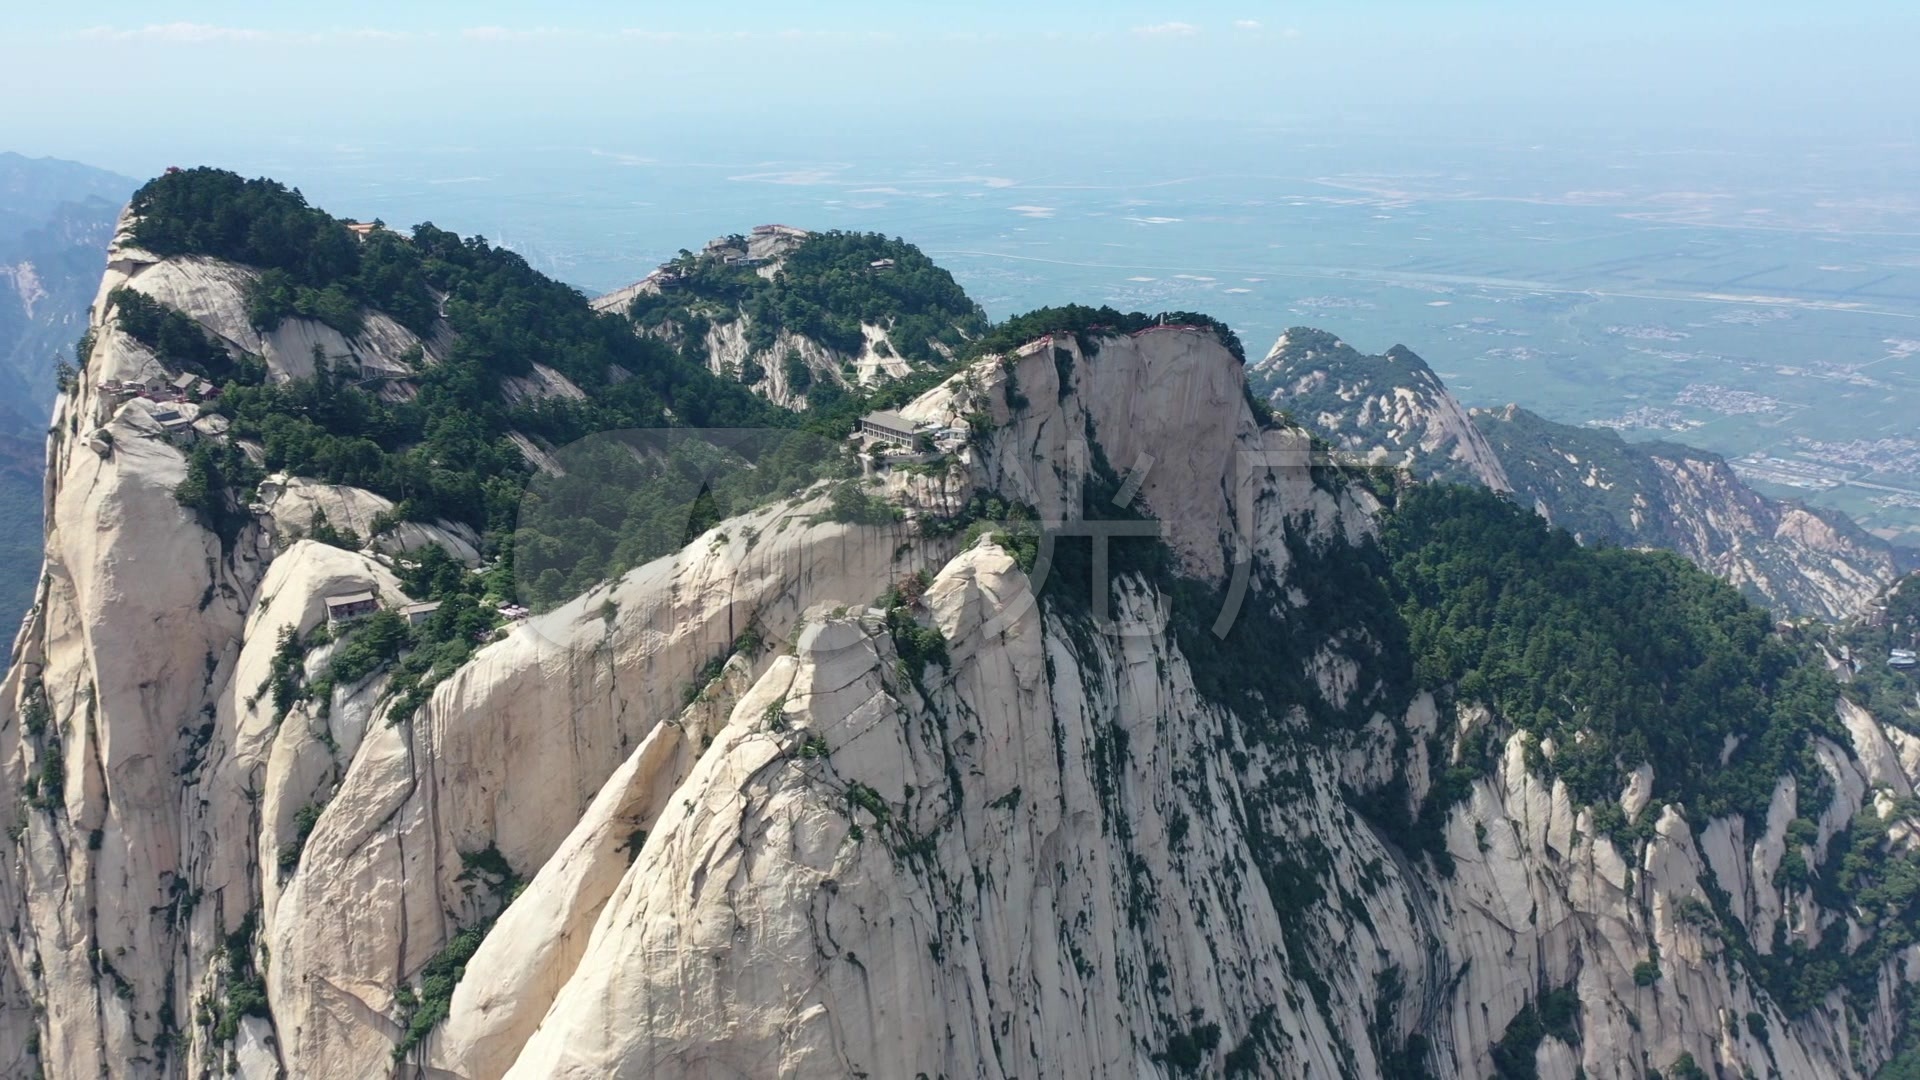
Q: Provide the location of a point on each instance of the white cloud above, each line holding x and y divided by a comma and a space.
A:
178, 33
1167, 29
185, 33
1255, 26
505, 33
621, 157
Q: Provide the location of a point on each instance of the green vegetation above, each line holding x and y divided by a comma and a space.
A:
917, 645
1642, 655
372, 643
422, 1010
1187, 1051
304, 819
1653, 661
217, 476
1904, 1064
825, 289
1685, 1068
419, 656
627, 498
1532, 448
1887, 692
1556, 1014
285, 678
1651, 658
506, 316
854, 505
320, 530
177, 340
1089, 324
613, 509
313, 265
440, 646
245, 986
35, 714
1863, 875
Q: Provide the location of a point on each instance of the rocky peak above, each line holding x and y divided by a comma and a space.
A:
803, 317
1163, 411
1388, 403
857, 780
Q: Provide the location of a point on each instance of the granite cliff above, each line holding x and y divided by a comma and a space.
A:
895, 775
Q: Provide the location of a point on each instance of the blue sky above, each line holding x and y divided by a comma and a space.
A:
111, 78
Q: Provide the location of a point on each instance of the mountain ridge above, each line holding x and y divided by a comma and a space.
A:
1597, 485
894, 767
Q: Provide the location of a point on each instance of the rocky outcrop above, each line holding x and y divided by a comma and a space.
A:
140, 718
719, 817
295, 506
1373, 404
679, 305
214, 293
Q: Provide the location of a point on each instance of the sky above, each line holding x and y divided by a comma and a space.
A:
133, 87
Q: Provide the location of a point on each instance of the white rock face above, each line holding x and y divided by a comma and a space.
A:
1788, 554
1059, 852
294, 504
214, 293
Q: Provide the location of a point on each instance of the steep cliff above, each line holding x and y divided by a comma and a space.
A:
1796, 559
907, 775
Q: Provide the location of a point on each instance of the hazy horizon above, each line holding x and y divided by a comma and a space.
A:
655, 74
1596, 215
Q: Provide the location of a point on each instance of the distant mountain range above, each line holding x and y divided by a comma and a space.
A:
55, 220
1796, 559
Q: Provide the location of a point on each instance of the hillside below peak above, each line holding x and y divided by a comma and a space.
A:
1590, 481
